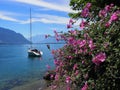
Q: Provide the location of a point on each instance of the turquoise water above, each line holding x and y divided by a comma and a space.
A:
16, 68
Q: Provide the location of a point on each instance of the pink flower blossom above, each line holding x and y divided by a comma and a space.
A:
114, 17
68, 78
111, 4
102, 13
61, 63
88, 5
73, 32
82, 43
83, 61
53, 87
107, 8
85, 12
53, 51
91, 45
76, 72
69, 26
56, 34
46, 36
68, 87
83, 24
75, 67
85, 87
86, 35
71, 21
99, 58
56, 62
56, 77
107, 24
57, 69
70, 57
48, 66
51, 76
71, 40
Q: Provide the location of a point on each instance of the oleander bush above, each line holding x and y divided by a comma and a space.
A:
90, 59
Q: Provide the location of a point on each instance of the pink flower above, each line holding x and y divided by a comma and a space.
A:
102, 13
111, 4
56, 62
53, 87
53, 51
85, 12
82, 43
99, 58
61, 63
70, 57
107, 24
68, 87
114, 17
56, 77
75, 66
57, 69
71, 21
83, 62
56, 34
76, 72
51, 76
88, 5
83, 24
48, 66
46, 36
68, 78
69, 26
107, 8
73, 32
85, 87
86, 35
71, 40
91, 45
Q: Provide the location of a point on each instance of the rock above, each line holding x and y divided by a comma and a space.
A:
49, 75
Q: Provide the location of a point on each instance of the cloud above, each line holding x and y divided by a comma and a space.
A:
48, 19
5, 16
48, 5
43, 18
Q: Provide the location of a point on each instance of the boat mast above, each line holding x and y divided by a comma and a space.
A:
30, 28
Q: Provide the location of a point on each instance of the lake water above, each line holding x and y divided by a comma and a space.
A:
16, 68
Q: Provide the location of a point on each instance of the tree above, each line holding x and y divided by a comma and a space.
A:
90, 58
77, 5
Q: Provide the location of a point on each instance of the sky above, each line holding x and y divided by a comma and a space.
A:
47, 16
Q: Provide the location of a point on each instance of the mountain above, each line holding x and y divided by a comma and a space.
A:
42, 39
9, 36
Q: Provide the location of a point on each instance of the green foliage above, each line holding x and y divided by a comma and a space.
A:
96, 5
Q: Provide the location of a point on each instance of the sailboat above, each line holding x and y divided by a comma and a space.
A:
33, 52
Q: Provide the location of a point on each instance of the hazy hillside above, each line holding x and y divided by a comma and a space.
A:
9, 36
42, 39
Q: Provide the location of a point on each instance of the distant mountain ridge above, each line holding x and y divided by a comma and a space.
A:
10, 36
42, 39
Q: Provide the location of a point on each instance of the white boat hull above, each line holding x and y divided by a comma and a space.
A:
34, 54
